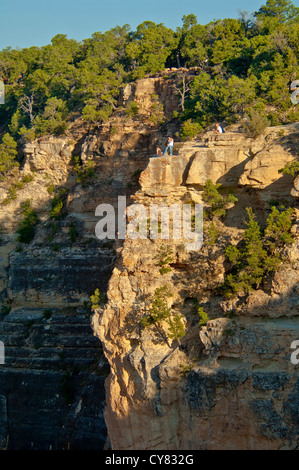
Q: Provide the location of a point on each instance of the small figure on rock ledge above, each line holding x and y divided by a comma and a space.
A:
169, 146
218, 129
158, 153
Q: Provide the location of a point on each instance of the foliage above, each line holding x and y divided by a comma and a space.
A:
277, 233
26, 228
85, 171
156, 110
96, 299
290, 169
176, 327
216, 203
213, 233
73, 233
8, 153
158, 310
203, 316
255, 124
132, 109
57, 204
47, 314
189, 130
260, 254
159, 313
53, 118
242, 65
163, 258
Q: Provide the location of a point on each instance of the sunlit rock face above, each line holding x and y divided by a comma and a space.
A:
230, 384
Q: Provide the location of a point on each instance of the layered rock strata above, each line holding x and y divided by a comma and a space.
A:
52, 383
230, 384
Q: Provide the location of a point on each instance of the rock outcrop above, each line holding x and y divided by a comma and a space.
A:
52, 383
230, 384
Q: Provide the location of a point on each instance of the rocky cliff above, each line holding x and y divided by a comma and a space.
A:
228, 384
52, 383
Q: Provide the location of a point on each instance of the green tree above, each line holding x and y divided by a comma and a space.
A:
149, 48
27, 227
8, 153
194, 46
277, 233
53, 118
260, 254
276, 12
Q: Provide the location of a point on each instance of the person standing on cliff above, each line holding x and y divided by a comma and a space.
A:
169, 146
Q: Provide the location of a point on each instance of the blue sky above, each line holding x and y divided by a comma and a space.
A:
26, 23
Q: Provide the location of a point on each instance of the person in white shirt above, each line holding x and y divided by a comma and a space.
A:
169, 146
218, 129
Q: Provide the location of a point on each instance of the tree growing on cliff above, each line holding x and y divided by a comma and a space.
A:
216, 203
8, 153
27, 227
261, 252
161, 317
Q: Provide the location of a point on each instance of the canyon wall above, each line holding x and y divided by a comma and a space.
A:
74, 379
229, 384
52, 383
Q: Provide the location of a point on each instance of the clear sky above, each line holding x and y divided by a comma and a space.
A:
26, 23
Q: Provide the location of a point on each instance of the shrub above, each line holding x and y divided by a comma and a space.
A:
290, 169
28, 178
216, 203
95, 299
159, 312
73, 232
159, 309
277, 233
56, 207
27, 227
132, 109
47, 314
189, 130
260, 254
85, 172
28, 135
8, 153
57, 204
232, 254
176, 327
255, 124
203, 316
213, 233
53, 119
164, 257
157, 110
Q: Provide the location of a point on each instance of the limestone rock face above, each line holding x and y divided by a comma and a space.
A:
51, 154
230, 384
142, 92
220, 165
262, 170
295, 189
163, 174
52, 383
